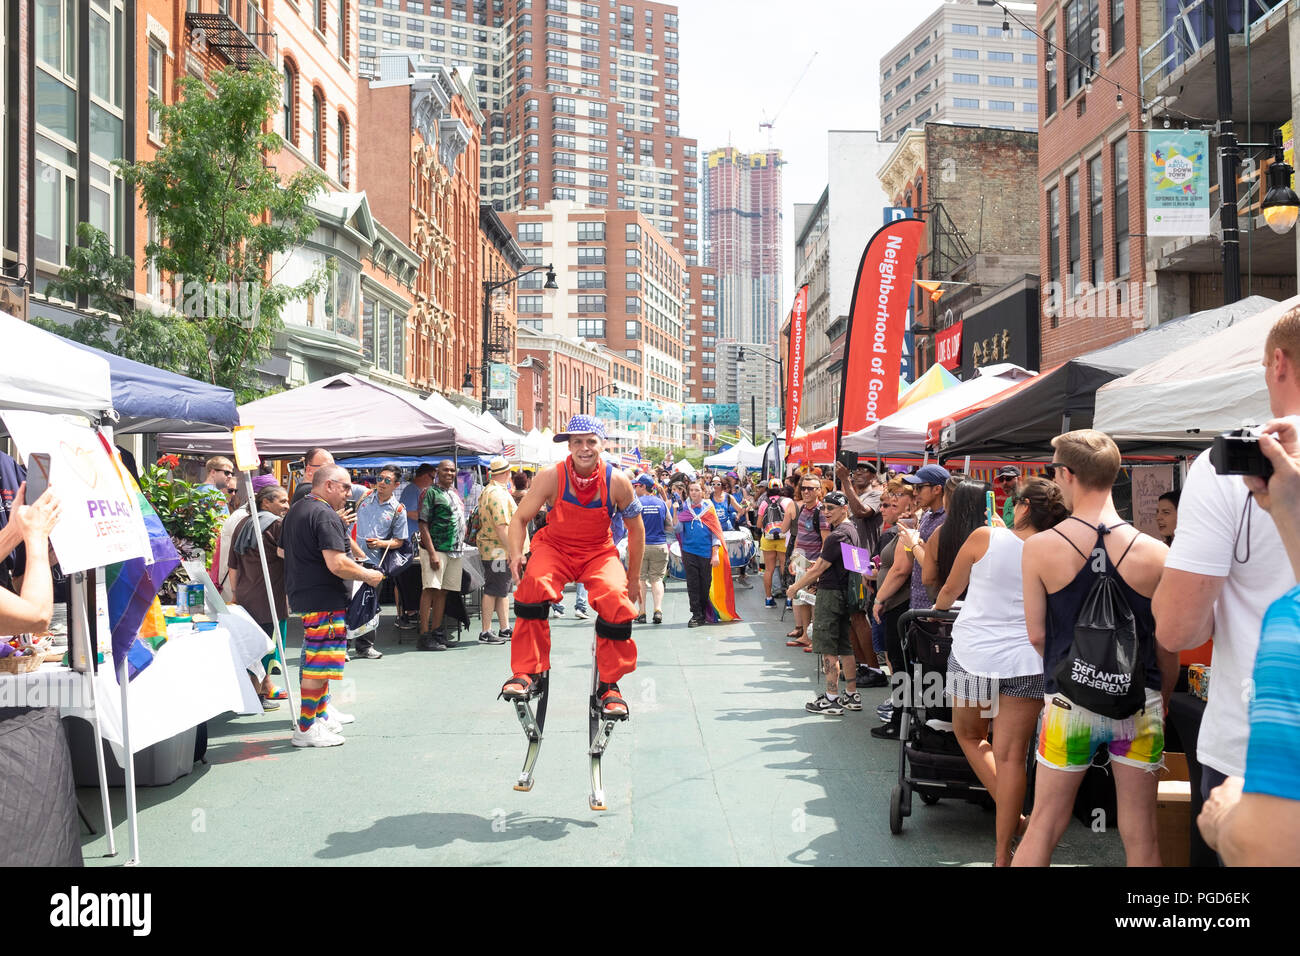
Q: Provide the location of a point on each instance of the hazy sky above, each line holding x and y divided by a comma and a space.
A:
740, 60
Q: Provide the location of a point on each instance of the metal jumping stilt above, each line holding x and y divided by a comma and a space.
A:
533, 722
599, 728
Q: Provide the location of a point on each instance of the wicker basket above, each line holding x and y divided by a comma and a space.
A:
24, 664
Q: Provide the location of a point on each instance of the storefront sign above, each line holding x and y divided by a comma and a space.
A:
1006, 330
947, 347
1178, 183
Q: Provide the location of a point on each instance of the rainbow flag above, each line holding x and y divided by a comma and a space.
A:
721, 605
132, 585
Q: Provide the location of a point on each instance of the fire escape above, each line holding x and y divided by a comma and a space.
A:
236, 29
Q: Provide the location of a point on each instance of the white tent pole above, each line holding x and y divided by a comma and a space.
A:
966, 466
270, 598
132, 822
80, 619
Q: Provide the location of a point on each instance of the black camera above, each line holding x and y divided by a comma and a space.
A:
1238, 453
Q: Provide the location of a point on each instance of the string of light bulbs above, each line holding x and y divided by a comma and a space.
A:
1120, 90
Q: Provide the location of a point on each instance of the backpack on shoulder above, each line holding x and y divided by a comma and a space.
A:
1103, 669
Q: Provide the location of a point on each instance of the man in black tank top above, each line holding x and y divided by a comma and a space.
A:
1059, 568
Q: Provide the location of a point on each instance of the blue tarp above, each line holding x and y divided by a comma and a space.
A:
150, 399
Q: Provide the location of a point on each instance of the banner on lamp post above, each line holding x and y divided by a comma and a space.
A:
499, 380
1178, 183
873, 345
795, 361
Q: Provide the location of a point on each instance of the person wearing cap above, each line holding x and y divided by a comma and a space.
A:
658, 522
577, 544
929, 482
830, 626
775, 516
1005, 484
496, 507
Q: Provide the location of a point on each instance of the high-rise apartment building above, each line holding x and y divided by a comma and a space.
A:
621, 285
742, 228
961, 66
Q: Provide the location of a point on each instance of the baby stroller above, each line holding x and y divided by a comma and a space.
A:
930, 761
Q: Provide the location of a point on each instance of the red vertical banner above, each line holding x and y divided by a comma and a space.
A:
873, 346
795, 360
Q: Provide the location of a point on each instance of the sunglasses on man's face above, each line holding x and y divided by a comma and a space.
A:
1050, 470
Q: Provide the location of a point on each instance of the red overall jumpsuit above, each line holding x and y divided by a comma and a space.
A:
576, 545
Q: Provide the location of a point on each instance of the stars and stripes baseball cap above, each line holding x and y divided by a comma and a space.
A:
582, 425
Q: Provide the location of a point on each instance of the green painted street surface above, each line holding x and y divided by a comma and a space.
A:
719, 765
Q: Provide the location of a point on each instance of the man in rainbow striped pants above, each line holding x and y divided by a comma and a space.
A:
314, 543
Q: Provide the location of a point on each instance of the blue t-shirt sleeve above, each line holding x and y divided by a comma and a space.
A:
1274, 749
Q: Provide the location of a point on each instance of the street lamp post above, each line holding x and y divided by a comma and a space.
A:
780, 389
488, 345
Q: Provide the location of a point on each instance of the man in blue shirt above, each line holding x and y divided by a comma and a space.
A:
697, 540
381, 528
654, 564
408, 579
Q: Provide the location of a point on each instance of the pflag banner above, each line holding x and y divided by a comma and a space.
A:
795, 361
873, 346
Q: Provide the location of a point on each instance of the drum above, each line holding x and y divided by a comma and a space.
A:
740, 548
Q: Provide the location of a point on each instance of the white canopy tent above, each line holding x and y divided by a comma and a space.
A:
905, 431
1211, 385
743, 454
45, 373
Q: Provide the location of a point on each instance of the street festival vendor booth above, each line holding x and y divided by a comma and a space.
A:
57, 399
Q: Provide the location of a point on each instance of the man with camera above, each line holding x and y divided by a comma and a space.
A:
1225, 567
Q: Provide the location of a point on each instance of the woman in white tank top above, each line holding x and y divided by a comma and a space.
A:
994, 674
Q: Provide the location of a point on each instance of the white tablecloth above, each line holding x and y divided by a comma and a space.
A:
193, 678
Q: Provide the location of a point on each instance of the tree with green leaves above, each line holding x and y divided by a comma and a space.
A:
222, 214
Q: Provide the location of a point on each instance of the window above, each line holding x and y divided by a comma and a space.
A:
528, 304
344, 33
530, 232
1003, 106
1080, 28
318, 127
965, 78
966, 29
591, 280
290, 106
632, 303
633, 280
591, 328
1029, 82
1002, 81
591, 232
345, 141
591, 303
1029, 58
962, 54
1095, 236
1001, 56
1120, 179
965, 103
1116, 26
1049, 67
591, 255
633, 257
1054, 235
1072, 253
1029, 107
633, 329
157, 67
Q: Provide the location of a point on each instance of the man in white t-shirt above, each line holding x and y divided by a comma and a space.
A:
1225, 567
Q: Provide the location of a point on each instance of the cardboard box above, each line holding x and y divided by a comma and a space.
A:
1174, 812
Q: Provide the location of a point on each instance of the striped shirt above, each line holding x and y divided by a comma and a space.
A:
1273, 754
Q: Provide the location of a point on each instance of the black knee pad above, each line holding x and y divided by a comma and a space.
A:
540, 611
611, 631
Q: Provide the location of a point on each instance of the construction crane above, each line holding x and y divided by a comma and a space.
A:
768, 124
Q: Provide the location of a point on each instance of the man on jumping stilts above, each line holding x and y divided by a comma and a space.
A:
576, 544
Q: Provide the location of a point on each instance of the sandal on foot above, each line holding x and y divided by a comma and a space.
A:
519, 687
278, 694
611, 704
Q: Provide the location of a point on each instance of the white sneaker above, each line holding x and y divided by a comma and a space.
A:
334, 721
317, 735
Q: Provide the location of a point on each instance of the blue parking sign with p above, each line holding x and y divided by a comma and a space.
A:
895, 213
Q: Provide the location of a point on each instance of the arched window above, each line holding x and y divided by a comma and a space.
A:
344, 170
290, 110
318, 127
